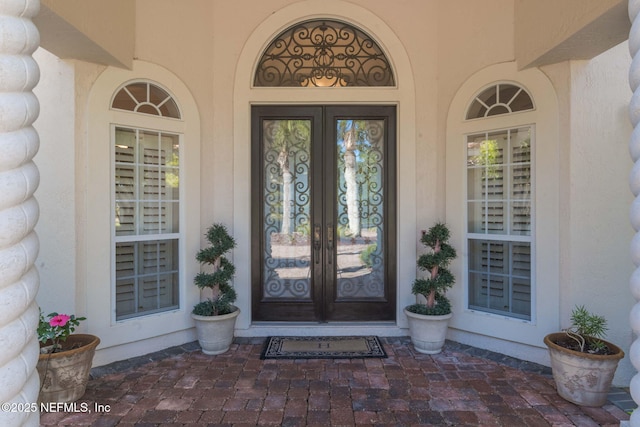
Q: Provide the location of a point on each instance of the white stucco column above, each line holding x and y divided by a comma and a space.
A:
19, 179
634, 182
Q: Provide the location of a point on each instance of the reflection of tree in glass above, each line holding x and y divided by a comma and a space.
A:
358, 161
289, 136
172, 179
490, 156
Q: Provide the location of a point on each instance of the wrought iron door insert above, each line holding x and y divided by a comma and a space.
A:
323, 215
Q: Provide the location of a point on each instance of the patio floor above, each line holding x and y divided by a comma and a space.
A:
462, 386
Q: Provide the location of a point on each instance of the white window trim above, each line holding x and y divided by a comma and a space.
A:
183, 281
474, 326
99, 276
479, 127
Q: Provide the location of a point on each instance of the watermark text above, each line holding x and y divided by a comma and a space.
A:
74, 407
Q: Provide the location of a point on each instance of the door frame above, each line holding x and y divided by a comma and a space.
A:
324, 305
415, 206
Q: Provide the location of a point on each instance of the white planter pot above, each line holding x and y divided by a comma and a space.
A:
215, 333
427, 332
582, 378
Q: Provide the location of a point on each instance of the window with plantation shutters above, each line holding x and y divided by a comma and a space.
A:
146, 200
499, 220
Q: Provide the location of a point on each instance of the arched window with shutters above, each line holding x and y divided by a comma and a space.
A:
146, 201
500, 197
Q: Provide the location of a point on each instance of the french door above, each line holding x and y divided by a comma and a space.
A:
323, 213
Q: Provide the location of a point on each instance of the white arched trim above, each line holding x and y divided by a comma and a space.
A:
474, 327
403, 95
152, 332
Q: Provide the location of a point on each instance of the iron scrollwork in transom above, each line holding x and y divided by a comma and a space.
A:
323, 53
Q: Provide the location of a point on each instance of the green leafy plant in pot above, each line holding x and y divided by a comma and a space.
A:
215, 317
429, 317
582, 362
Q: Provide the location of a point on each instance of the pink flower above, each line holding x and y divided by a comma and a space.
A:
59, 320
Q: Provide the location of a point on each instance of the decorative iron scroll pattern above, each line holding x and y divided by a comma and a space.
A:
287, 249
360, 257
323, 53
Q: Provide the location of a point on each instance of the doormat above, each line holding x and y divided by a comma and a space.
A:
322, 348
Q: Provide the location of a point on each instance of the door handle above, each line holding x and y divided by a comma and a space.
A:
330, 242
317, 241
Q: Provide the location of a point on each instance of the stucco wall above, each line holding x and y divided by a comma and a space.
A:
598, 249
63, 86
56, 193
202, 48
84, 29
544, 35
595, 232
462, 51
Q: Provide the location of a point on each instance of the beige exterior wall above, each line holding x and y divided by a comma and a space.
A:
435, 48
599, 264
551, 31
57, 194
87, 30
464, 50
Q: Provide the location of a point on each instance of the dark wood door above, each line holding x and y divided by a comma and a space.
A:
323, 213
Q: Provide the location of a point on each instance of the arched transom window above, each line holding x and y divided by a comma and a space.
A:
146, 98
323, 53
501, 98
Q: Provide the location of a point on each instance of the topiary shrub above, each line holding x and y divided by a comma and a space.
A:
222, 271
440, 278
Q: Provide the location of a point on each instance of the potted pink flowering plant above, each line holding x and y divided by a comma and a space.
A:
65, 358
55, 330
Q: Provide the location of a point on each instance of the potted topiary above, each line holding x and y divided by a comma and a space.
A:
583, 364
65, 358
215, 317
429, 317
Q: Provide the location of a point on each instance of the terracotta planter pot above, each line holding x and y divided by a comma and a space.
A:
427, 332
215, 333
582, 378
64, 375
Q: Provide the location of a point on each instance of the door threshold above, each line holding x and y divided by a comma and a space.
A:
265, 329
328, 323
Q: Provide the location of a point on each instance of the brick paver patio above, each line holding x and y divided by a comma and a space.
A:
459, 387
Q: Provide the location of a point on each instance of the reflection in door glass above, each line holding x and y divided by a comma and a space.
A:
359, 256
287, 225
